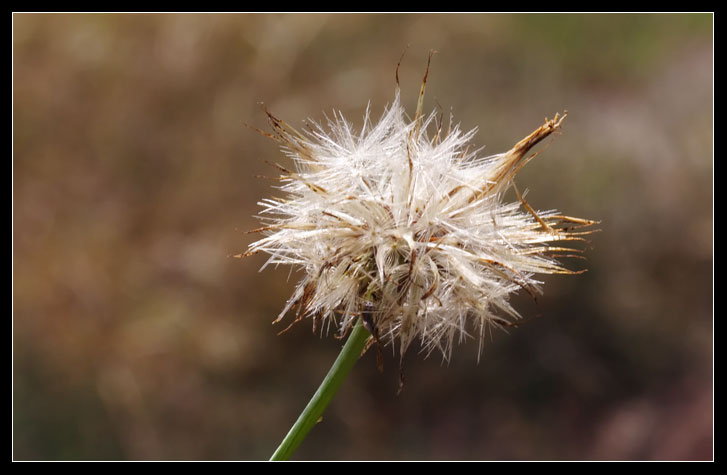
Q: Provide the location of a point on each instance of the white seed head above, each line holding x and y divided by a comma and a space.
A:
404, 225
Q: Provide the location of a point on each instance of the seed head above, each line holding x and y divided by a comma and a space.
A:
404, 225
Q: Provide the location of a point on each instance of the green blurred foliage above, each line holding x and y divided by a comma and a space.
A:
136, 336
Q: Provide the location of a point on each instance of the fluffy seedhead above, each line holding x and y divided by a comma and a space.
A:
403, 225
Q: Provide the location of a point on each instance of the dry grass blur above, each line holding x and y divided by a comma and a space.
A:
136, 337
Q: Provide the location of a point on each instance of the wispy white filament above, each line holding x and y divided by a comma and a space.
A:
403, 224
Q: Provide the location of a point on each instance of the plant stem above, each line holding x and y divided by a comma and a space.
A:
328, 388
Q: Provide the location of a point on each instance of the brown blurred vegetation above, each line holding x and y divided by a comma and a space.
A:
137, 337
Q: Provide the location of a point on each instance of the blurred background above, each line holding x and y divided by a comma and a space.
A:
136, 336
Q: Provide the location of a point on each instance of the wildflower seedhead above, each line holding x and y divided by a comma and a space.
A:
403, 225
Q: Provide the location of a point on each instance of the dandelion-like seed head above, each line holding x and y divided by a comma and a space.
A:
403, 224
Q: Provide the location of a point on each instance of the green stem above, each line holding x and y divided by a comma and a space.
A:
328, 388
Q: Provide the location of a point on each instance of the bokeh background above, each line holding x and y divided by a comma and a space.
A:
136, 336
